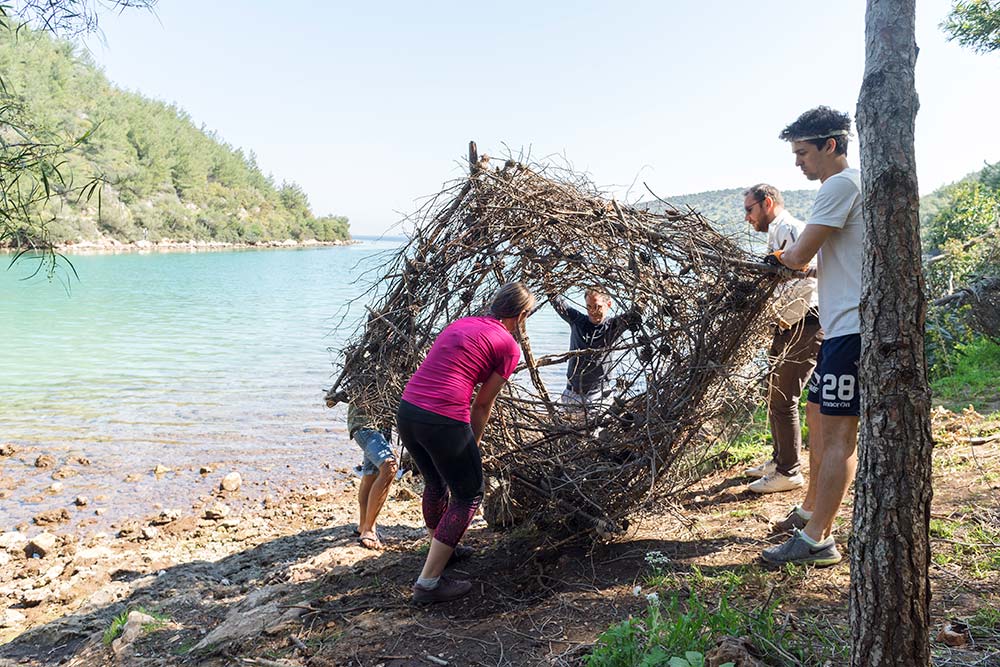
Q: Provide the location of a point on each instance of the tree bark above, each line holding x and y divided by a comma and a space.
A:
890, 550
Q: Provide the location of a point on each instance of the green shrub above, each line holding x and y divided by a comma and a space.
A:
974, 376
666, 632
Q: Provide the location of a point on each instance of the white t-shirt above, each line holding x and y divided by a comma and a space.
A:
792, 299
838, 204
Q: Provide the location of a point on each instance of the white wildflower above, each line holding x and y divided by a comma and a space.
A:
653, 599
637, 591
656, 558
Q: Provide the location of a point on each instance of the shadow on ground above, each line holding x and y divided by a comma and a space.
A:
317, 598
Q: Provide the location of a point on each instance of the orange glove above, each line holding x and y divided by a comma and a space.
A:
774, 259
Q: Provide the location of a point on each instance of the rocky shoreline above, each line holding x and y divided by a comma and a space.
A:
112, 246
68, 584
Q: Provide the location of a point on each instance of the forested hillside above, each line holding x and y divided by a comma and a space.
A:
725, 207
163, 177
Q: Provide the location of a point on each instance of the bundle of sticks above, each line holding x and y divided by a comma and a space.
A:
683, 372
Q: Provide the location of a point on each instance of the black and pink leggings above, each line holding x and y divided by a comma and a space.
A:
446, 453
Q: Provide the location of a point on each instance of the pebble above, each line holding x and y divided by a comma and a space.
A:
52, 516
231, 482
160, 469
81, 501
165, 517
403, 493
41, 545
217, 511
45, 461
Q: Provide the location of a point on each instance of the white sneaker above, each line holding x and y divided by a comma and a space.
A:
763, 470
776, 482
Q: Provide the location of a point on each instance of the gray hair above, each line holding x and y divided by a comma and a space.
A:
511, 300
761, 190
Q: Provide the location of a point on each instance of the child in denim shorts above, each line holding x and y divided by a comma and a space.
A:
378, 470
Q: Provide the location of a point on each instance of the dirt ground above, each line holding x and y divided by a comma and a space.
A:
284, 582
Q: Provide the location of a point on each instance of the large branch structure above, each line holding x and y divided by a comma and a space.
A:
703, 302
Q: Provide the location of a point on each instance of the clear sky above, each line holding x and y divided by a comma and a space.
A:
369, 106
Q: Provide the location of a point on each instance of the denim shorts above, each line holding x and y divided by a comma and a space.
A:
834, 383
375, 450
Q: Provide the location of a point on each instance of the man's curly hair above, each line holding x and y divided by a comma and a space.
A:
820, 125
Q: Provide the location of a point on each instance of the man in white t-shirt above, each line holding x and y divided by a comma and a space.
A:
835, 235
792, 355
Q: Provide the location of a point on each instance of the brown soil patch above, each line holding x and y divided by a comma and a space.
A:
310, 596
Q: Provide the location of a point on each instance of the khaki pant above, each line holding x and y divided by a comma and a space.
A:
793, 358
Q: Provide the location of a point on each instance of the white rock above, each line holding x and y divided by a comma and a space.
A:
41, 545
56, 487
10, 618
35, 597
231, 482
12, 540
53, 572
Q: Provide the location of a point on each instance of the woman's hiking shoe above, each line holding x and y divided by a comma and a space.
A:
777, 482
447, 589
763, 470
800, 549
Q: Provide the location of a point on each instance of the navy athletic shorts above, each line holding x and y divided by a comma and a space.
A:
834, 383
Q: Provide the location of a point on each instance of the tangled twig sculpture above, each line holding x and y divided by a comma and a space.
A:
703, 301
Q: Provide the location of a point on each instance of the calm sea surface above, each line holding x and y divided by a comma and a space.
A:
181, 359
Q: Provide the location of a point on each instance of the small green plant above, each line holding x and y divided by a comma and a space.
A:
117, 625
747, 447
942, 528
116, 628
693, 659
985, 623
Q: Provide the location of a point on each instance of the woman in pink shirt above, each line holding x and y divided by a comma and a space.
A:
442, 433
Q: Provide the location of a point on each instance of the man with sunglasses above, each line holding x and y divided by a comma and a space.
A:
792, 354
835, 234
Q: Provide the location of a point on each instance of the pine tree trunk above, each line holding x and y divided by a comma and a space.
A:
890, 551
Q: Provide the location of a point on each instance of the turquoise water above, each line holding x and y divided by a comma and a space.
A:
181, 359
